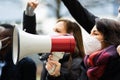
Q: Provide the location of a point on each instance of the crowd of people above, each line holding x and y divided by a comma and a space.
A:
100, 64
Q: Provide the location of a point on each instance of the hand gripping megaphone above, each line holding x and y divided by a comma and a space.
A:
25, 43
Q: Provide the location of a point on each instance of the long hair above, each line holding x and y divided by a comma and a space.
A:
110, 30
8, 50
73, 27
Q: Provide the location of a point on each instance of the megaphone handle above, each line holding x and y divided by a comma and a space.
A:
56, 56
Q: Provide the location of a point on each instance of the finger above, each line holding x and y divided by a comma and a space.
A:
48, 66
50, 58
36, 1
50, 63
33, 3
57, 69
50, 69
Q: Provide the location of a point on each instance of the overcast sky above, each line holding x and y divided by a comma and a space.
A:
13, 9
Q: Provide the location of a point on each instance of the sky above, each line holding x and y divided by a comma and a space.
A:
12, 11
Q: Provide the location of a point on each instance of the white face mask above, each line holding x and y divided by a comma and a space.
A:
91, 44
1, 46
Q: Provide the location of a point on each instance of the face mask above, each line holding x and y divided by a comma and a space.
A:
91, 44
2, 40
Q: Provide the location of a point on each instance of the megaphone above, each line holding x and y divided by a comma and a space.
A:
25, 43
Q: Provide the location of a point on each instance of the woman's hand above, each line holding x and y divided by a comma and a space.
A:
33, 3
31, 6
53, 67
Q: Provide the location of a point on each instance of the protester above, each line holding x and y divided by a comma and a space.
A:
24, 70
84, 17
103, 64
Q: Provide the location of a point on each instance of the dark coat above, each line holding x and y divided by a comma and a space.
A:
29, 24
69, 70
23, 70
87, 21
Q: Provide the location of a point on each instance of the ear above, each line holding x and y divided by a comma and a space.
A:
118, 49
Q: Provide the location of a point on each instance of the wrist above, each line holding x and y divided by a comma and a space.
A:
29, 11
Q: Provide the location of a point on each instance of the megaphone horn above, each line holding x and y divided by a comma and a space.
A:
25, 43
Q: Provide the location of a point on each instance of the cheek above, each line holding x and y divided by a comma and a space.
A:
100, 38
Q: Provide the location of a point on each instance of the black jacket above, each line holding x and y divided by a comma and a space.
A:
68, 72
25, 69
29, 23
80, 14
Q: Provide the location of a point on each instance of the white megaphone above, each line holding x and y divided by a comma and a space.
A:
25, 43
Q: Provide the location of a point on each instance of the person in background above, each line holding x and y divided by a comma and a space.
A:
68, 68
24, 69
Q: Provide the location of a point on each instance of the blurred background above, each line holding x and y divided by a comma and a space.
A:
48, 11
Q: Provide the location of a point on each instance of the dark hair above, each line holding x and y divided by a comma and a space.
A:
110, 30
9, 27
73, 27
7, 56
69, 25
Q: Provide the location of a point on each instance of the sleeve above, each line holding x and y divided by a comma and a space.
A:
45, 75
68, 72
29, 23
49, 77
61, 77
80, 14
